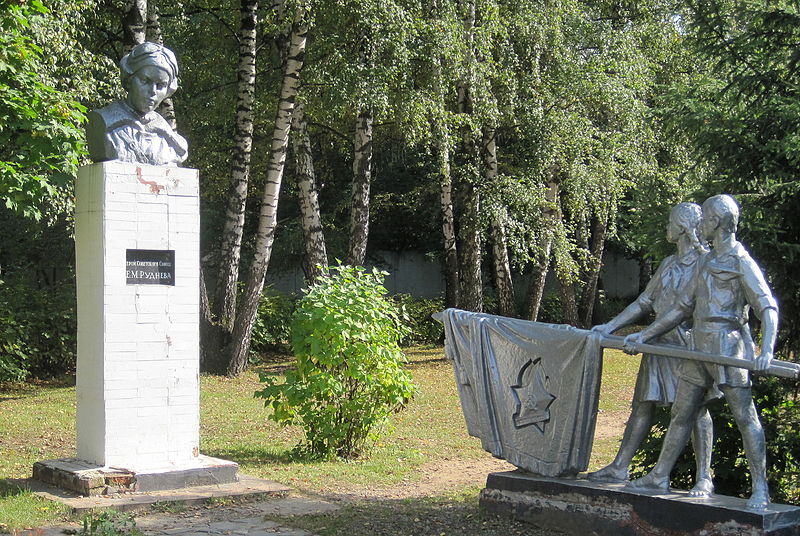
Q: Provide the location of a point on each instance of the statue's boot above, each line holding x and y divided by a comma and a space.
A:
649, 482
703, 488
759, 500
609, 474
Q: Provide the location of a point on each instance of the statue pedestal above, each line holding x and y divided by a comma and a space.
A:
588, 508
137, 245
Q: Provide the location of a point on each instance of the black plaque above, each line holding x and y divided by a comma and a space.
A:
150, 267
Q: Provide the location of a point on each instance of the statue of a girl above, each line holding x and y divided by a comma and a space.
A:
131, 130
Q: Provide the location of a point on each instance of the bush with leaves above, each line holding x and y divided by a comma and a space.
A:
349, 374
109, 523
37, 329
423, 328
271, 329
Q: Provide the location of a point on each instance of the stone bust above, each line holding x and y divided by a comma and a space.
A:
131, 130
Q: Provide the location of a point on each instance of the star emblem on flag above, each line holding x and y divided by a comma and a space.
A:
532, 398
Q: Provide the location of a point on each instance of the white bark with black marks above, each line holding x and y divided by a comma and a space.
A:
503, 285
362, 177
240, 343
134, 24
233, 227
316, 253
541, 266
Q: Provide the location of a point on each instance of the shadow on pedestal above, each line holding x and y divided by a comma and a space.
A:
590, 508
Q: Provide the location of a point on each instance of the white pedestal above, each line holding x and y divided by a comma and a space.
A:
138, 338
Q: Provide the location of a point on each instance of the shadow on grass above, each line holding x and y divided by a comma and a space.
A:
419, 516
11, 489
247, 455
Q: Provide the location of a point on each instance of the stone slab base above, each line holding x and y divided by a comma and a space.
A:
587, 508
88, 479
246, 487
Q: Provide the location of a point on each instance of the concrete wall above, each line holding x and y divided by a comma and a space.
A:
420, 275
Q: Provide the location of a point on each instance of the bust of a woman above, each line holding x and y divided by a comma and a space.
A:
131, 130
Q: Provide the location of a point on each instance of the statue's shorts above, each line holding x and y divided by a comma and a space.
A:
727, 342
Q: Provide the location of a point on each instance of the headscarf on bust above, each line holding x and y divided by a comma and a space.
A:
146, 54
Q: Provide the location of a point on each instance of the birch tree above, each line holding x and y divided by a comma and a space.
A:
316, 254
240, 343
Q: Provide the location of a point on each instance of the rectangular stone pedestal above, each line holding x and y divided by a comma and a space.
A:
88, 479
587, 508
137, 249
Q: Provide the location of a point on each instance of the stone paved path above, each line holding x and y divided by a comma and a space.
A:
244, 519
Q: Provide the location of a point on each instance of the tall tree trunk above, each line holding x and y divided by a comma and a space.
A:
470, 247
448, 217
240, 343
216, 334
545, 246
134, 17
586, 307
362, 176
568, 304
441, 148
154, 35
316, 254
503, 284
233, 228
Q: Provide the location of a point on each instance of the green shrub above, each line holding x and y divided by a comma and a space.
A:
423, 328
780, 411
109, 523
348, 375
271, 328
550, 309
37, 330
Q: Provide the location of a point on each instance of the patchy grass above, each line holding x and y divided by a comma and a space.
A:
37, 422
455, 514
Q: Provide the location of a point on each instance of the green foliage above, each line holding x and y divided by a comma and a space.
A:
348, 376
422, 328
40, 135
37, 330
779, 409
271, 329
109, 523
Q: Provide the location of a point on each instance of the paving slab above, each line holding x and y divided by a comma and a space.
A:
246, 487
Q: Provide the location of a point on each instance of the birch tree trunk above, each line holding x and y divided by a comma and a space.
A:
541, 268
134, 17
233, 227
240, 343
362, 176
586, 306
316, 254
154, 35
503, 284
448, 218
470, 247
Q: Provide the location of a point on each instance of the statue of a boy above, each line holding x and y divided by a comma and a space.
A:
131, 130
727, 283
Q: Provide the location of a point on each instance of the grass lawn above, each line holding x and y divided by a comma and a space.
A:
37, 423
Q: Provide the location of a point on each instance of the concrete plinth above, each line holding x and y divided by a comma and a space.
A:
89, 479
588, 508
137, 252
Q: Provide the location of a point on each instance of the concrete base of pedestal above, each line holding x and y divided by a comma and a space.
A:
89, 479
583, 507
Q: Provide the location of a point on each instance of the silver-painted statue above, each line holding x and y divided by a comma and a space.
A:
658, 376
131, 130
726, 284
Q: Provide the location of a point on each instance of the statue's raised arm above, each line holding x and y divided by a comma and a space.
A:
130, 129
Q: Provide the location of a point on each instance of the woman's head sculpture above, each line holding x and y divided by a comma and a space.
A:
131, 130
